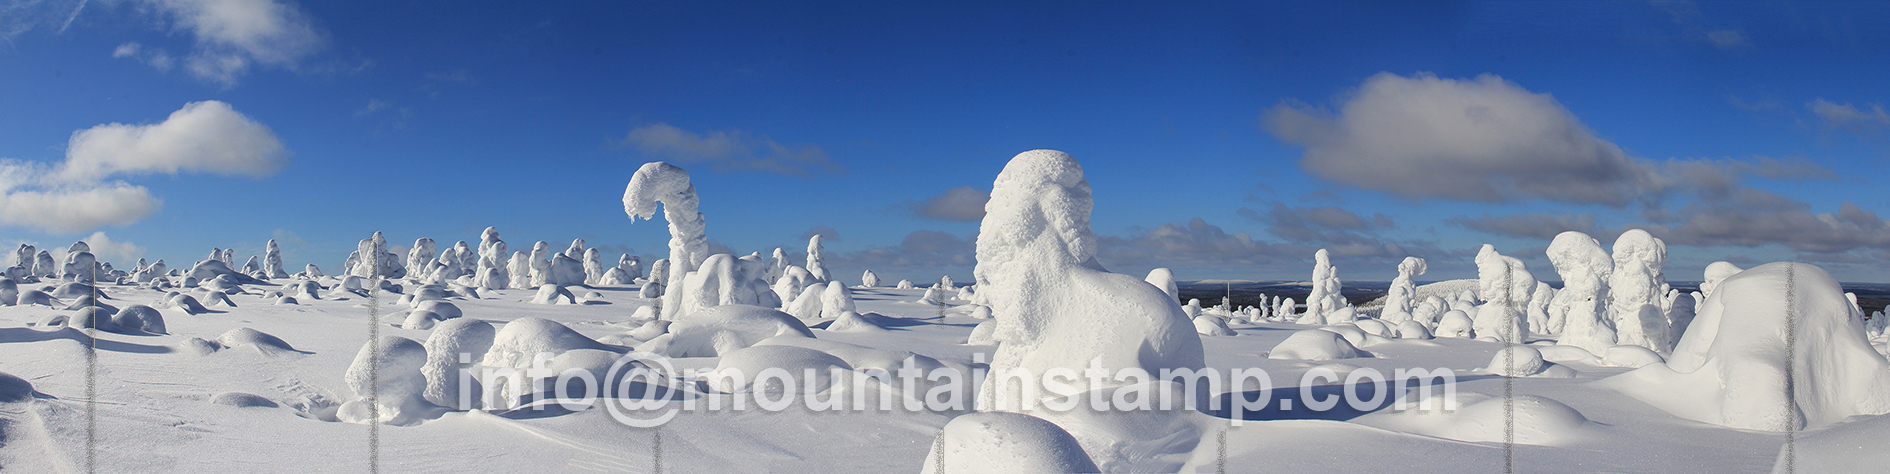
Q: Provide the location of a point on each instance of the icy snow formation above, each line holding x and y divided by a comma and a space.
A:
576, 250
564, 271
449, 340
272, 260
1455, 324
723, 329
1579, 311
903, 285
1056, 307
721, 280
519, 270
1765, 330
420, 257
632, 266
1539, 307
659, 182
492, 272
814, 267
1634, 291
1164, 280
540, 264
1400, 302
1315, 344
1325, 297
1506, 286
371, 259
998, 443
777, 264
522, 339
387, 370
869, 279
1715, 273
593, 266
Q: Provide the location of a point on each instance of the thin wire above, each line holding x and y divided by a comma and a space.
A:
1791, 353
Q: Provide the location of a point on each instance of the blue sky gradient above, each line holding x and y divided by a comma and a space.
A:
437, 119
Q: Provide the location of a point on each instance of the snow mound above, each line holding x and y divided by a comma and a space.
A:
723, 329
740, 370
1773, 327
389, 371
903, 285
1209, 325
553, 294
984, 334
88, 300
1630, 356
303, 290
998, 442
141, 318
1411, 329
521, 340
1315, 344
1847, 447
263, 342
850, 321
286, 300
1454, 323
1479, 418
446, 310
77, 289
35, 297
454, 341
723, 279
1164, 279
1516, 361
14, 389
187, 303
420, 319
93, 317
242, 400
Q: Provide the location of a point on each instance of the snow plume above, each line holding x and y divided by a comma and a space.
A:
1506, 287
1634, 291
1055, 306
659, 182
1400, 302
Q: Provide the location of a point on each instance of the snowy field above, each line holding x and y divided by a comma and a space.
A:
219, 367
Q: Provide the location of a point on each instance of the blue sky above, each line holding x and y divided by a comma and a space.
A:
1223, 140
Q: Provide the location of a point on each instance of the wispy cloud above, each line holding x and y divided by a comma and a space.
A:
1869, 118
230, 36
959, 204
730, 150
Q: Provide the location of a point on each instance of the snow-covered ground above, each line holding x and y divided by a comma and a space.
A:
157, 410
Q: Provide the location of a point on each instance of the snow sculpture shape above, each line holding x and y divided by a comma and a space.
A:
540, 264
1539, 307
309, 270
836, 299
904, 285
727, 328
1315, 344
450, 339
228, 257
1058, 308
565, 271
1455, 324
814, 267
1399, 303
593, 266
371, 259
388, 370
1634, 293
522, 339
252, 266
632, 267
420, 258
82, 265
792, 282
492, 273
993, 443
43, 266
1715, 273
576, 250
1164, 280
777, 265
1579, 311
272, 260
1506, 286
722, 280
467, 261
659, 182
519, 271
1776, 327
869, 279
1325, 297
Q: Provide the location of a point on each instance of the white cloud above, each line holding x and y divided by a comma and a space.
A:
962, 204
232, 35
108, 250
76, 196
1849, 116
730, 150
77, 209
1485, 139
208, 136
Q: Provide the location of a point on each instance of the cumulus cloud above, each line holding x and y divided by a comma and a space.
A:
154, 57
232, 35
730, 150
827, 234
1754, 217
960, 204
1484, 139
206, 137
1850, 117
922, 250
110, 250
77, 194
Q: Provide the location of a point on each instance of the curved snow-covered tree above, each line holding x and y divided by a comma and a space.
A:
659, 182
